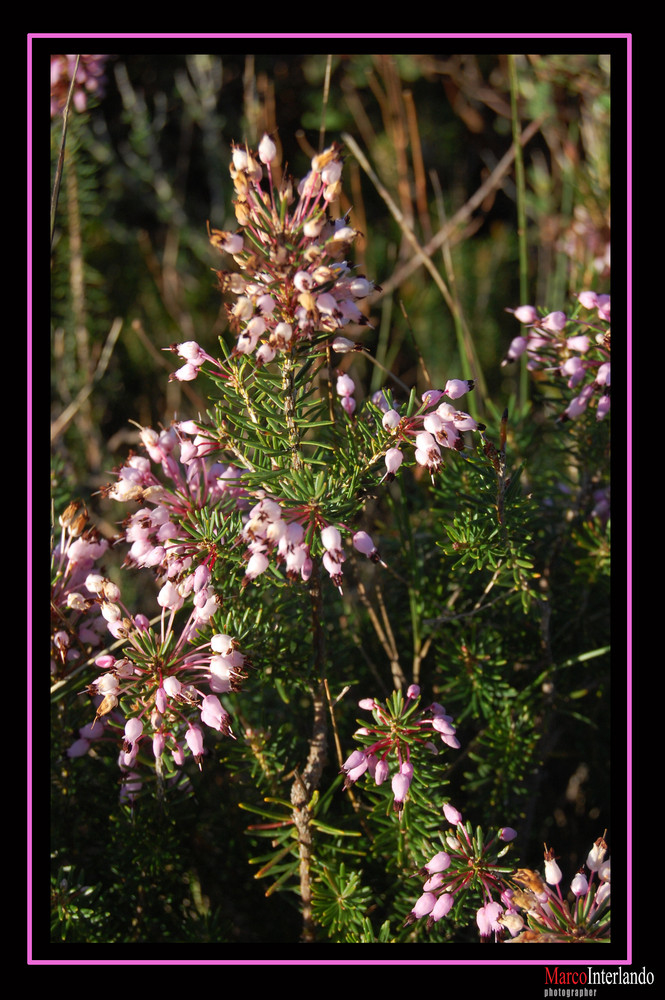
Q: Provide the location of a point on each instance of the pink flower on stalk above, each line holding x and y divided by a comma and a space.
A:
400, 785
194, 738
553, 873
487, 918
453, 815
424, 905
393, 461
525, 314
456, 387
353, 767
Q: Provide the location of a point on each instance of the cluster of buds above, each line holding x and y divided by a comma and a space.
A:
399, 726
292, 282
435, 426
77, 627
291, 534
575, 350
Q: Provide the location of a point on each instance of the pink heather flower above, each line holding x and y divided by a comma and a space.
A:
391, 420
554, 322
579, 885
354, 767
434, 882
364, 544
588, 299
456, 387
169, 597
525, 314
580, 343
258, 563
393, 461
575, 370
172, 686
194, 738
438, 863
427, 451
596, 855
214, 715
331, 539
506, 833
603, 407
133, 730
453, 815
603, 374
345, 385
579, 404
604, 307
517, 347
79, 748
442, 907
487, 918
432, 397
400, 785
553, 873
267, 150
381, 771
424, 905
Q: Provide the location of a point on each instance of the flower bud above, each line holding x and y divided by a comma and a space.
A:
267, 150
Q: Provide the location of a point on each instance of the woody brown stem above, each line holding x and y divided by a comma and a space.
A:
306, 783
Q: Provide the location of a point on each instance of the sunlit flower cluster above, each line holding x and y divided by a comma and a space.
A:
291, 534
77, 627
467, 862
574, 349
519, 906
435, 426
399, 727
291, 283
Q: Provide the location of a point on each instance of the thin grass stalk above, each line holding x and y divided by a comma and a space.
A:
520, 184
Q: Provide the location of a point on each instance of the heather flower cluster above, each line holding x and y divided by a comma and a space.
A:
291, 534
435, 426
467, 862
164, 690
163, 533
572, 348
77, 627
537, 911
293, 284
90, 80
399, 726
520, 906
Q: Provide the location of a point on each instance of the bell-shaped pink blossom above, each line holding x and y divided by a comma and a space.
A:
487, 918
456, 387
453, 815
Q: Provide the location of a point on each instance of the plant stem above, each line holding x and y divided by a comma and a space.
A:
288, 389
304, 785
